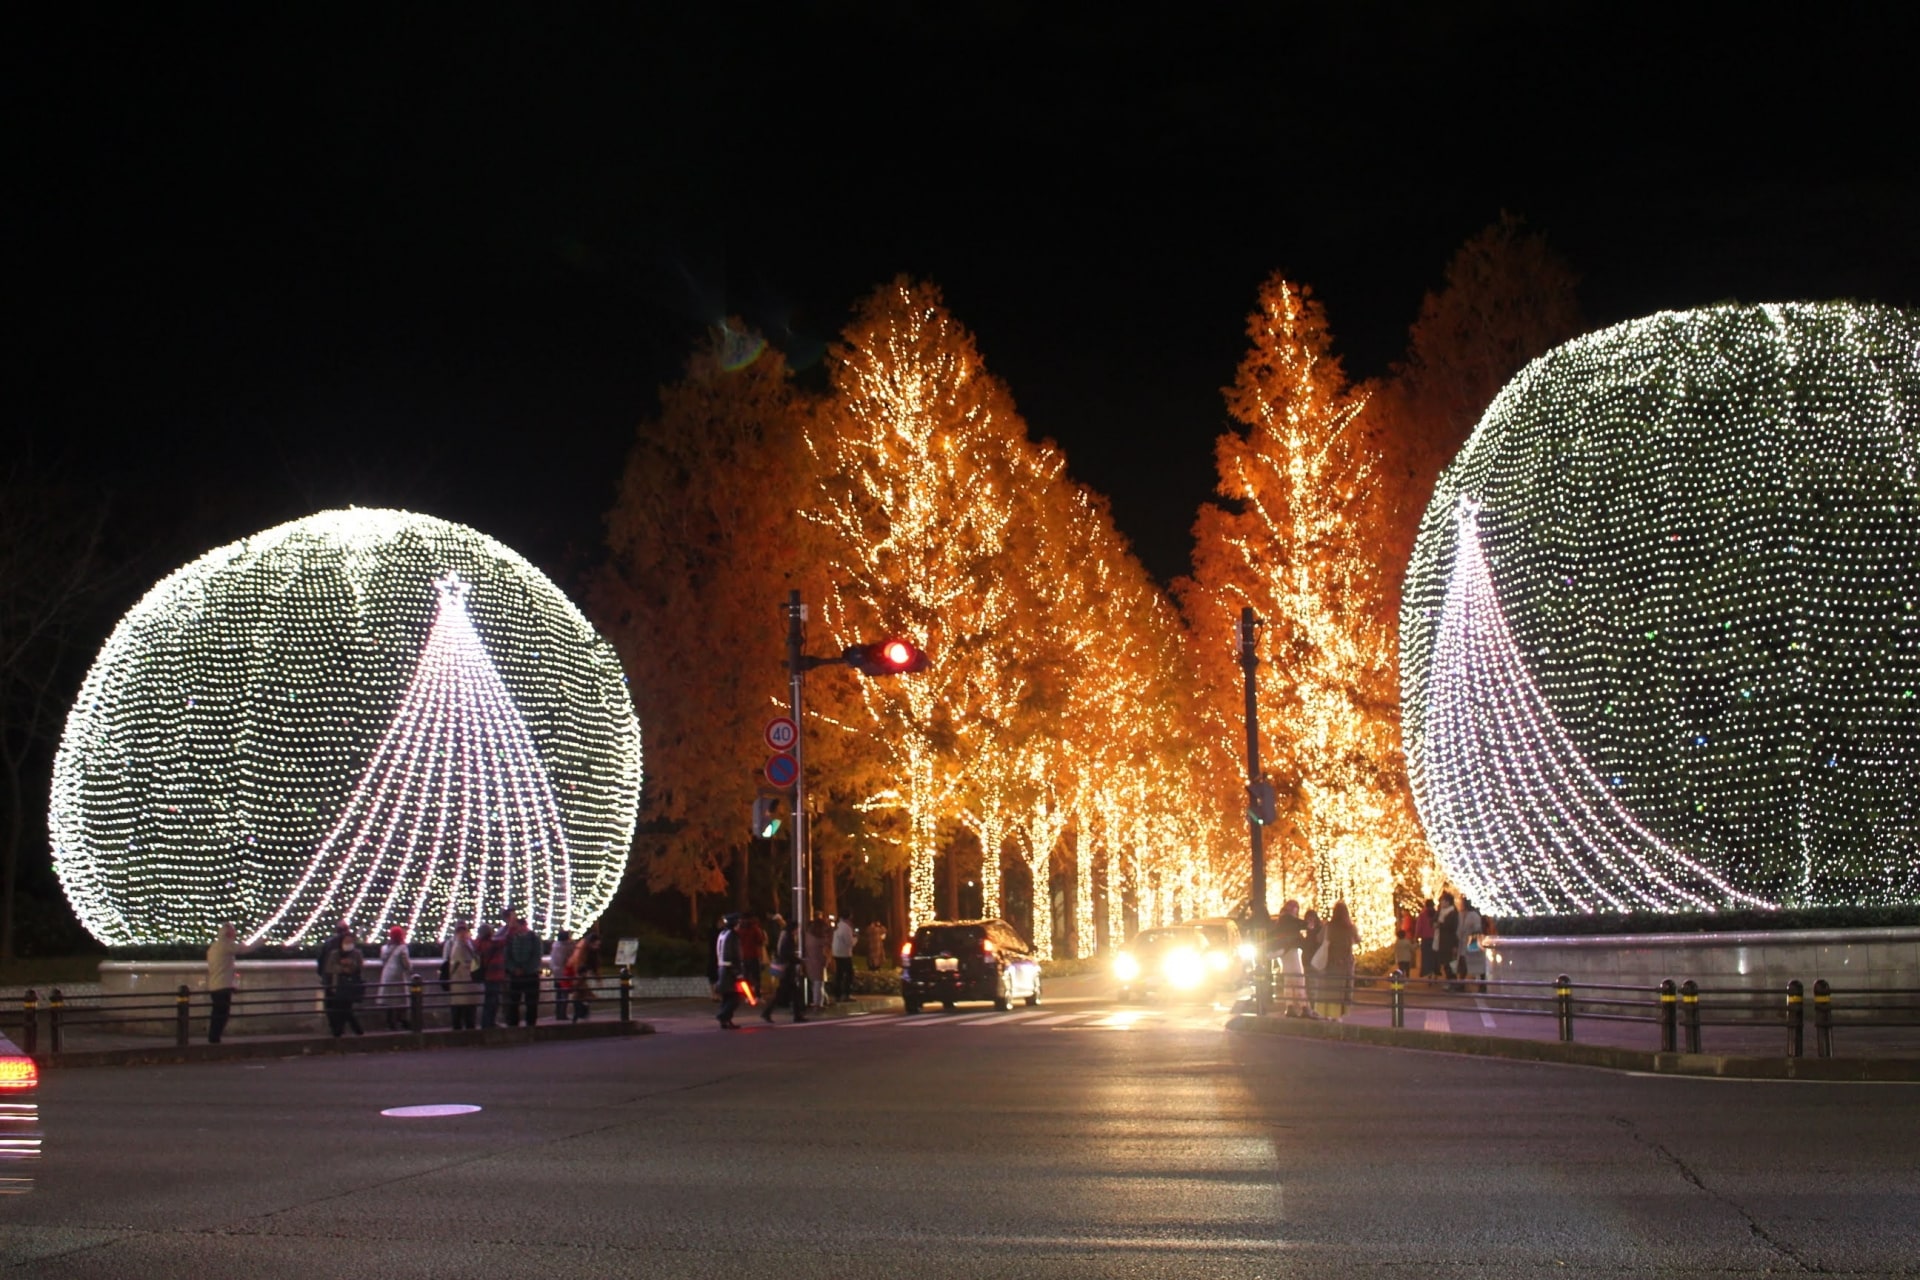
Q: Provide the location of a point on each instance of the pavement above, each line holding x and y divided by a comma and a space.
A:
1082, 1139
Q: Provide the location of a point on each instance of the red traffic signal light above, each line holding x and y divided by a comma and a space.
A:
893, 656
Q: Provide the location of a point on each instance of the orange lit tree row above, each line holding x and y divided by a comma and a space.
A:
1076, 734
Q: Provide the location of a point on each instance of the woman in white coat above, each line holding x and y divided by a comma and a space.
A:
396, 972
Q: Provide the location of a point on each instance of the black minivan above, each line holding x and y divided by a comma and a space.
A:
954, 960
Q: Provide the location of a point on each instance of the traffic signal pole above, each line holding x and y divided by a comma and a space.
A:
797, 677
1263, 968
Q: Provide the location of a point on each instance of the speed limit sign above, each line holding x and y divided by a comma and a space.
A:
782, 733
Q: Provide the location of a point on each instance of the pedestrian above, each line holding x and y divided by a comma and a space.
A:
1423, 934
327, 949
726, 963
492, 951
346, 983
877, 946
1336, 976
1473, 955
221, 979
464, 973
1446, 936
814, 940
583, 967
1313, 970
396, 973
787, 990
1289, 936
753, 952
843, 935
557, 971
1404, 948
522, 966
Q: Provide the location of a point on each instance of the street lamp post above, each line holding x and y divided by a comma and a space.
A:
1249, 660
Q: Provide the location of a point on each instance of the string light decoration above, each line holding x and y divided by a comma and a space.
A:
1661, 635
365, 715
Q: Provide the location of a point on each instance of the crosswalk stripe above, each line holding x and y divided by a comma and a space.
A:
1437, 1020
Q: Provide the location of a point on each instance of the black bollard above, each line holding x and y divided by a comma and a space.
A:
1690, 1013
1398, 985
417, 1006
626, 995
180, 1000
1563, 1006
30, 1025
1822, 1018
1796, 1019
1669, 1016
56, 1038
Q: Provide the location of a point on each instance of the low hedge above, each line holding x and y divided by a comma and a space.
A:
1743, 921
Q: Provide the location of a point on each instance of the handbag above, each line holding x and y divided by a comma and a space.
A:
1319, 960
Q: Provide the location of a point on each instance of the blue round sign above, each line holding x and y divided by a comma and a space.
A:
782, 769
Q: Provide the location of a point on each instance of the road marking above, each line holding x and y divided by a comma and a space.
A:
433, 1109
1055, 1020
1437, 1020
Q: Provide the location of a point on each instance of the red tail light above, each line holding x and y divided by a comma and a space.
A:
18, 1073
986, 947
906, 954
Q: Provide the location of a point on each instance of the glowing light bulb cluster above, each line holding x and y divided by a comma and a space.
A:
365, 715
1661, 638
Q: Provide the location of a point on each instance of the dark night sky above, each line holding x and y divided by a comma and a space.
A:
265, 259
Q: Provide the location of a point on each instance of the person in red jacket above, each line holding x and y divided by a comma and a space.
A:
493, 974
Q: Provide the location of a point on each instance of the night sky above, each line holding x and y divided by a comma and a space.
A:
267, 259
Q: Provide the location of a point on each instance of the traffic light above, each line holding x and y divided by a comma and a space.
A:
1263, 809
894, 656
769, 815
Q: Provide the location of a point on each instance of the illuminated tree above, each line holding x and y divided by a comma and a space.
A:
913, 452
705, 541
1293, 541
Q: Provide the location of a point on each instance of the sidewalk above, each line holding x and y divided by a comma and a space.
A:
1750, 1051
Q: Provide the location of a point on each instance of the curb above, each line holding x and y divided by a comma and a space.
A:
328, 1046
1704, 1065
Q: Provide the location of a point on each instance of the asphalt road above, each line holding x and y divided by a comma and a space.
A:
1082, 1139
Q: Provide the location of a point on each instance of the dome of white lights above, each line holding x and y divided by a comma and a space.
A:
1660, 646
365, 715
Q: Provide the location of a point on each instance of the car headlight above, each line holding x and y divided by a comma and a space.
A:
1247, 953
1125, 967
1184, 968
1218, 959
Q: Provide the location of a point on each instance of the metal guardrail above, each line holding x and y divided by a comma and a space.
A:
1677, 1012
423, 1001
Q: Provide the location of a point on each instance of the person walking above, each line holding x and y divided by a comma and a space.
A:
726, 958
491, 949
346, 983
1289, 937
396, 973
464, 971
1446, 936
1314, 966
222, 979
583, 968
753, 952
1423, 935
787, 989
522, 954
557, 973
876, 939
843, 935
1473, 956
1336, 977
814, 941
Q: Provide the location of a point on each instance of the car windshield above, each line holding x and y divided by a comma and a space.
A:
936, 938
1217, 935
1161, 939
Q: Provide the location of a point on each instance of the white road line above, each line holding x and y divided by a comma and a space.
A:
1437, 1020
1055, 1020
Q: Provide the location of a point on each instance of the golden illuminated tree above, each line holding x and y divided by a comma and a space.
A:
913, 450
704, 542
1293, 540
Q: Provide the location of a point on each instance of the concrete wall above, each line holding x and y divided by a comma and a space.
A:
1849, 959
